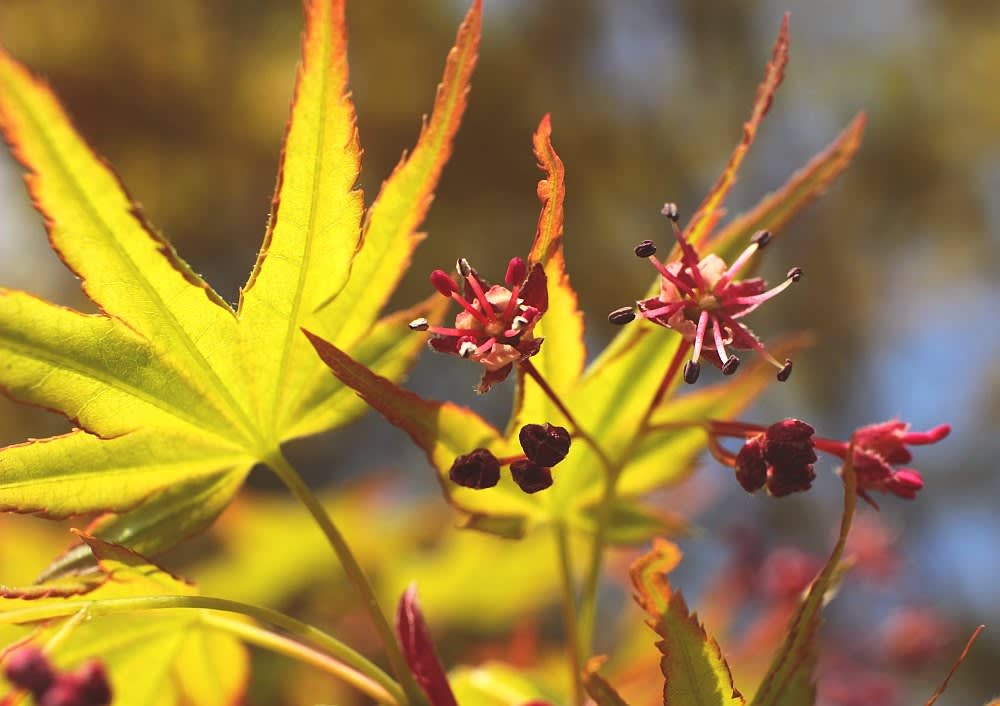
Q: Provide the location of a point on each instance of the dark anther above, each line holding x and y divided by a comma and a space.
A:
795, 274
730, 366
620, 317
419, 325
479, 469
761, 238
645, 249
530, 477
463, 267
544, 444
670, 211
692, 369
785, 371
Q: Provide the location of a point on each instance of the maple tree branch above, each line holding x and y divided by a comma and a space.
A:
290, 477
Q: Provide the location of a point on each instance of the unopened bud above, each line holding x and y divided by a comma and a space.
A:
730, 366
530, 477
786, 370
478, 470
443, 282
620, 317
646, 248
517, 270
670, 211
761, 238
692, 369
28, 668
420, 324
544, 444
795, 274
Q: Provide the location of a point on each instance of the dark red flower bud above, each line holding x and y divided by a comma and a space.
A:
478, 470
443, 282
530, 477
751, 468
87, 686
517, 270
28, 668
544, 444
785, 480
789, 443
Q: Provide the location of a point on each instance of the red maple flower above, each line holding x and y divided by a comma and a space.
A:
495, 324
700, 298
878, 450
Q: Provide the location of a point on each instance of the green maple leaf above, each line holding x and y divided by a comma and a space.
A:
176, 396
608, 397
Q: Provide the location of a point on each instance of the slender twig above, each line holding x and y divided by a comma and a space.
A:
569, 611
535, 375
256, 635
290, 477
308, 633
588, 599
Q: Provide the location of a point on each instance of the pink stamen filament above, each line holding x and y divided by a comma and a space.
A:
720, 346
757, 345
758, 299
512, 304
668, 311
699, 336
471, 309
689, 256
486, 346
445, 331
671, 277
738, 265
834, 448
481, 296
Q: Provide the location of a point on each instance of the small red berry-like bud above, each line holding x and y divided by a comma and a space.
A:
517, 270
28, 668
478, 470
786, 370
443, 282
622, 316
692, 369
670, 211
789, 443
530, 477
785, 480
761, 238
731, 365
646, 248
87, 686
751, 468
544, 444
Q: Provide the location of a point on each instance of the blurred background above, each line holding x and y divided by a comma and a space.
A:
188, 100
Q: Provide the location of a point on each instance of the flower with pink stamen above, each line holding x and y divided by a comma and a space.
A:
495, 324
701, 299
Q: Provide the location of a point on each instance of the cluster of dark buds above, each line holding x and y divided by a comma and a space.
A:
700, 297
780, 457
544, 446
495, 324
29, 668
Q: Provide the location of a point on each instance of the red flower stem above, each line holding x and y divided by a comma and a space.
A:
528, 367
588, 599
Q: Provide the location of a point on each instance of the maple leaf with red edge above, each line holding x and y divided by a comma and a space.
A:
418, 649
176, 396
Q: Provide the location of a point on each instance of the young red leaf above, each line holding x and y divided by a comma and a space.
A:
418, 648
692, 663
708, 213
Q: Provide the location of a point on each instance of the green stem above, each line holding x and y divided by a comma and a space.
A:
588, 599
280, 644
290, 477
569, 612
532, 371
109, 606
